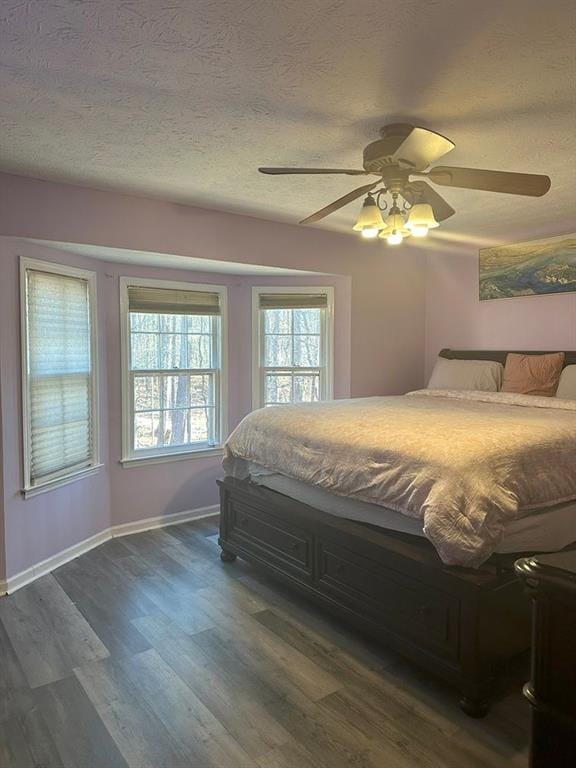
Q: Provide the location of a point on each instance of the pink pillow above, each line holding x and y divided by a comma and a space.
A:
533, 374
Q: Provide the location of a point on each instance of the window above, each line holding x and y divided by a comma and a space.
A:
172, 368
292, 345
59, 373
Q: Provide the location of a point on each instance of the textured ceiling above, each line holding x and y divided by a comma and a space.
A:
183, 99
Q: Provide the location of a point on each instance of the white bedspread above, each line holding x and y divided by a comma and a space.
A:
464, 462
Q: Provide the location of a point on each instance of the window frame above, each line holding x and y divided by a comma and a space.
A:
131, 457
326, 334
37, 265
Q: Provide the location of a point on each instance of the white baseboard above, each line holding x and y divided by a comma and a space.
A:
164, 520
45, 566
55, 561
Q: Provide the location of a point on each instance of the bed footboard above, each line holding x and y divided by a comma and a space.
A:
462, 625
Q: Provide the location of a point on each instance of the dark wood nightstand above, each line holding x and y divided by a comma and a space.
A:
550, 580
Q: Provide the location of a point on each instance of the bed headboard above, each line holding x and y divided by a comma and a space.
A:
498, 356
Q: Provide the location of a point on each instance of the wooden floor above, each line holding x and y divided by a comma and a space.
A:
150, 652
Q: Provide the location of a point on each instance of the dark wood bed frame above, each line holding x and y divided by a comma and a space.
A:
461, 624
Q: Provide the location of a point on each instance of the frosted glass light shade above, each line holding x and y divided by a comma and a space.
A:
369, 233
369, 221
394, 238
421, 219
395, 230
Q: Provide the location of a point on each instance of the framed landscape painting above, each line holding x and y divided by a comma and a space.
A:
528, 269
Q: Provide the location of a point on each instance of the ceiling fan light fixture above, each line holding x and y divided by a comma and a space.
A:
421, 219
403, 151
369, 221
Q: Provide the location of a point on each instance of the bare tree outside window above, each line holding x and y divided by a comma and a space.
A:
173, 365
292, 355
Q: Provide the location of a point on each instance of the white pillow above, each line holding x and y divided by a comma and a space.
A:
482, 375
567, 386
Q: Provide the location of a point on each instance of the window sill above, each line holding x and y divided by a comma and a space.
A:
61, 481
139, 461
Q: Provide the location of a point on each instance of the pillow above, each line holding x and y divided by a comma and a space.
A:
483, 375
533, 374
567, 386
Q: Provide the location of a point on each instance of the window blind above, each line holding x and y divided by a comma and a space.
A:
293, 301
59, 369
172, 301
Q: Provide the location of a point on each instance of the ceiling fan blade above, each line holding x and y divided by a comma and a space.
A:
278, 171
342, 201
529, 184
421, 147
422, 192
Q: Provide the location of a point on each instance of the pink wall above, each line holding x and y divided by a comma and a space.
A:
387, 284
379, 339
455, 317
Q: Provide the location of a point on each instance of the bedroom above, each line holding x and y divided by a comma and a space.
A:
137, 238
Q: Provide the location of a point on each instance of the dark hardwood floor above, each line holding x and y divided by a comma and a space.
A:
150, 652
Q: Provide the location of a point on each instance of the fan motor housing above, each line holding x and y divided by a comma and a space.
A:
395, 177
378, 155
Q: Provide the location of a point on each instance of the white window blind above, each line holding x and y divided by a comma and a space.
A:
294, 332
173, 373
59, 376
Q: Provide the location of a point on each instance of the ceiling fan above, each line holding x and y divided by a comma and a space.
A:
399, 159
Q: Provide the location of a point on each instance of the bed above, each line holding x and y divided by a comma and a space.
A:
431, 573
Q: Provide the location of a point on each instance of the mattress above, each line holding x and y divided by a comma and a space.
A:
544, 530
466, 464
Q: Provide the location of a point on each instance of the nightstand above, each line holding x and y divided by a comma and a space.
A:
550, 580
